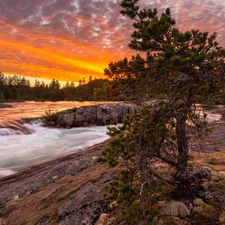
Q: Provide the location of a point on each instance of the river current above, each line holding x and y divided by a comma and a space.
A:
19, 150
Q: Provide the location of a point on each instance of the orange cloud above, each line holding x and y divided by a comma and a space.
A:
48, 61
71, 39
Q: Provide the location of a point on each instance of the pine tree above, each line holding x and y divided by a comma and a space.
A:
186, 67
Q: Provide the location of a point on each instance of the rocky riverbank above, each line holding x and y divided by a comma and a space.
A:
71, 190
67, 190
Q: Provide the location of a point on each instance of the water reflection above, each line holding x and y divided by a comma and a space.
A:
11, 114
31, 109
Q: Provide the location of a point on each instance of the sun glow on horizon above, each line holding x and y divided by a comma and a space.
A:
35, 62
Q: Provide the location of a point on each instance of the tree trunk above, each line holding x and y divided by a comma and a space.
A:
182, 143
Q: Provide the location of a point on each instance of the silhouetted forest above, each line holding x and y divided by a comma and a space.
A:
16, 88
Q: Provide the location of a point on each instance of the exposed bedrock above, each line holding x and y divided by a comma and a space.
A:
100, 115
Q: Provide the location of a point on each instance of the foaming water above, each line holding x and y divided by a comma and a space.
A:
18, 150
13, 127
25, 144
9, 131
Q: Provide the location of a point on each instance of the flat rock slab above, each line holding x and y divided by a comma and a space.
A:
61, 191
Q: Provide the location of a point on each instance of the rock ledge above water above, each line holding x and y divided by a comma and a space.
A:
97, 115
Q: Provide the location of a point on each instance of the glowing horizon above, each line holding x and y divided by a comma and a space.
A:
72, 39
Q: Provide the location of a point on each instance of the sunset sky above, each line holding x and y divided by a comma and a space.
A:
71, 39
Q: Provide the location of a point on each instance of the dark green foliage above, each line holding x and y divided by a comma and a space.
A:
15, 88
51, 116
132, 214
135, 209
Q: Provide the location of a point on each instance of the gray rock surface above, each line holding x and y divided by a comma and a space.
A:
83, 207
36, 177
67, 190
107, 219
173, 208
100, 115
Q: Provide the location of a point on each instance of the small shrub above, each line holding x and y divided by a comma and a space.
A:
50, 116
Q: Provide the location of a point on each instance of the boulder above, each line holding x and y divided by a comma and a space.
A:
173, 208
198, 202
203, 211
204, 173
100, 115
85, 115
109, 114
112, 205
16, 197
113, 113
215, 178
66, 118
107, 219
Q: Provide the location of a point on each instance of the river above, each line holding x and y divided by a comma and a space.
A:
19, 150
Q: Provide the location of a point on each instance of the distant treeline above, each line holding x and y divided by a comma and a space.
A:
16, 88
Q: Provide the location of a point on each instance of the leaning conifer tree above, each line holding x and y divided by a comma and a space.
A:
186, 67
